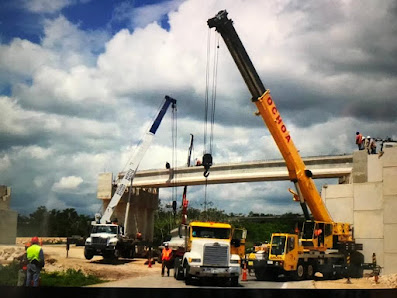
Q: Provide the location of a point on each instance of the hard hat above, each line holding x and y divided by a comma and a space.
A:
166, 244
368, 137
34, 240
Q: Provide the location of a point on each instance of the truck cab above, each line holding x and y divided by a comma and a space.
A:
208, 254
108, 240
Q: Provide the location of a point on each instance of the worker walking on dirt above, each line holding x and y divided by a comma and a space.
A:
166, 259
35, 258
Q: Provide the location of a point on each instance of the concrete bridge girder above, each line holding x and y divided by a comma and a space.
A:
144, 197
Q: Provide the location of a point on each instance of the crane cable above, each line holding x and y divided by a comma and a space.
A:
174, 157
207, 154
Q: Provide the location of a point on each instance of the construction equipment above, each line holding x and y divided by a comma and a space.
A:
203, 250
185, 202
323, 245
108, 238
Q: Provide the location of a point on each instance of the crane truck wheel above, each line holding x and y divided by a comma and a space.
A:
299, 273
309, 271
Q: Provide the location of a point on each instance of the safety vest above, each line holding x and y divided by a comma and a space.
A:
33, 253
166, 254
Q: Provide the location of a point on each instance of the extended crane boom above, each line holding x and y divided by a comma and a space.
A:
135, 161
297, 171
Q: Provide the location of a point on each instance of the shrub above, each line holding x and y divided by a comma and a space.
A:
68, 278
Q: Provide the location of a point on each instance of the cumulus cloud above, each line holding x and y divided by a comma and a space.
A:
46, 6
144, 15
67, 183
80, 100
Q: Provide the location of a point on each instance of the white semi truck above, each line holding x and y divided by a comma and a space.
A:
206, 252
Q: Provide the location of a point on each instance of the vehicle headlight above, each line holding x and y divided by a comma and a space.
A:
234, 261
88, 241
194, 260
112, 241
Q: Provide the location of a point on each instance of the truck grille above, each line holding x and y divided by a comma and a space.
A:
215, 255
99, 240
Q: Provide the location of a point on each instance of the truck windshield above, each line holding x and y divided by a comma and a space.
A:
206, 232
278, 245
104, 229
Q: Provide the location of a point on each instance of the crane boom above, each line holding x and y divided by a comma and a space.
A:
135, 161
297, 171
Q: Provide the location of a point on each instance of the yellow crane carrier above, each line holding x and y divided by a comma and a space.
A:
323, 245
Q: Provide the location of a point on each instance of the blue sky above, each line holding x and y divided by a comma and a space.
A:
81, 80
23, 19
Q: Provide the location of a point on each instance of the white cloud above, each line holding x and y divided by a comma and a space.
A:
5, 162
46, 6
67, 183
81, 111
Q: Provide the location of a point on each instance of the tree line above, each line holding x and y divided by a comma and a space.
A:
67, 222
53, 223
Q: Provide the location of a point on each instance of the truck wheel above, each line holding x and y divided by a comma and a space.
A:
88, 255
356, 271
178, 271
260, 275
299, 273
116, 254
309, 271
234, 281
188, 277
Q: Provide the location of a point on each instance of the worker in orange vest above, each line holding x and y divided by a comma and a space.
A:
166, 259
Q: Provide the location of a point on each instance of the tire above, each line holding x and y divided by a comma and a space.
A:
116, 254
177, 272
234, 281
357, 259
88, 255
265, 275
188, 277
299, 273
309, 271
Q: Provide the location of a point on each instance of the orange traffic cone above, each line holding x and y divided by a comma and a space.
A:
150, 263
244, 277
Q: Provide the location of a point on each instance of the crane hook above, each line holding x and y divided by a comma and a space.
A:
207, 163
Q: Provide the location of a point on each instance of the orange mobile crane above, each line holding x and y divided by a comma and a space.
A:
333, 251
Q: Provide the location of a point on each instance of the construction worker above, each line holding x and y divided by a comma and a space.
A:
166, 259
372, 146
35, 258
367, 141
359, 140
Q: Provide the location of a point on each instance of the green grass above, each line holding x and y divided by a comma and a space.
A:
9, 274
68, 278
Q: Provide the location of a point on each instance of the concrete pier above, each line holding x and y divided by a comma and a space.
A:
8, 217
370, 204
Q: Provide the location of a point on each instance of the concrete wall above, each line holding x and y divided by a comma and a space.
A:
370, 204
8, 218
141, 208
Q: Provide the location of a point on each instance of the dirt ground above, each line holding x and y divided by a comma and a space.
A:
56, 260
